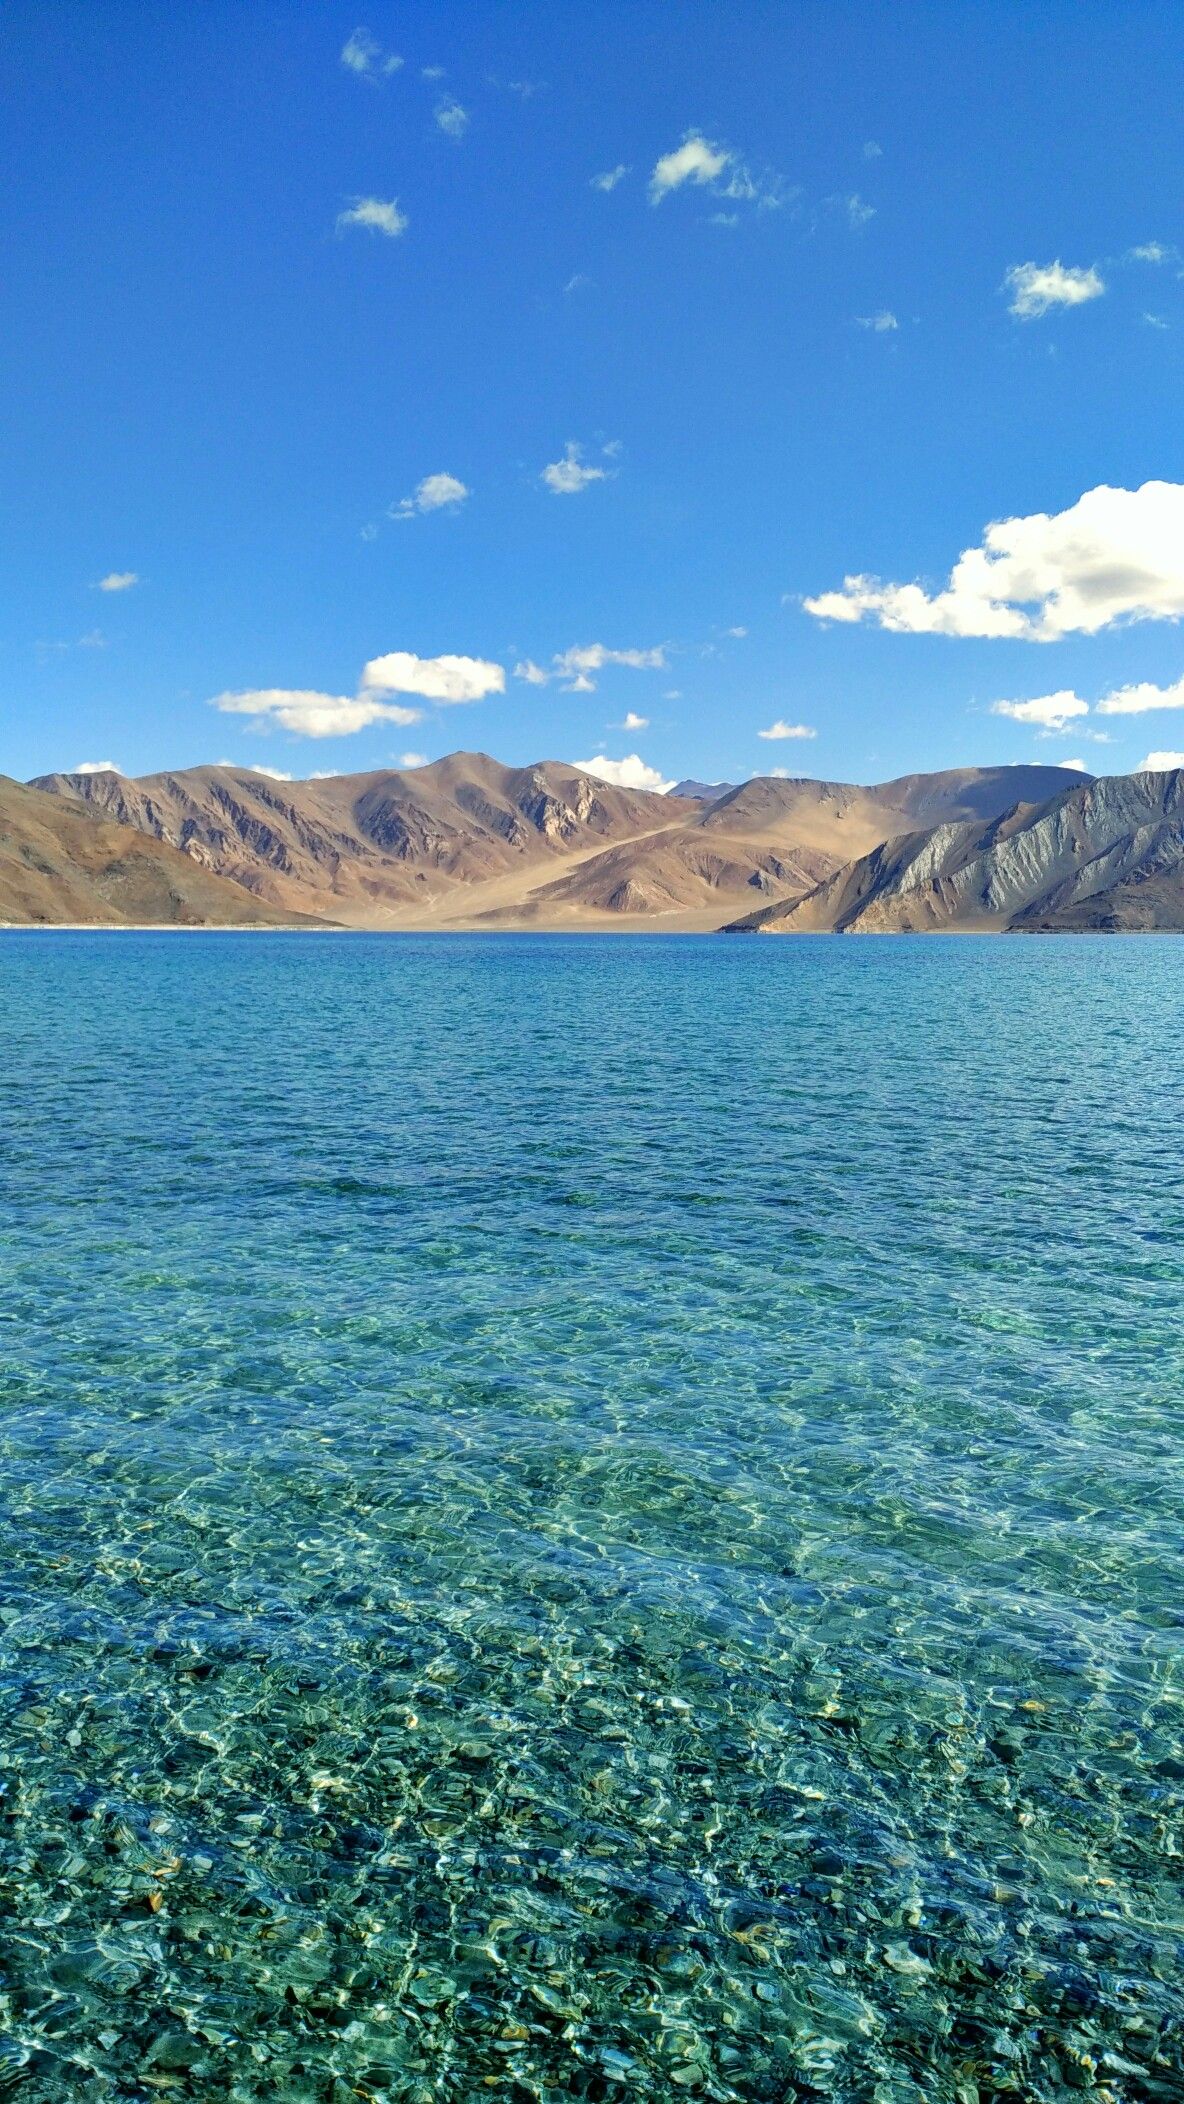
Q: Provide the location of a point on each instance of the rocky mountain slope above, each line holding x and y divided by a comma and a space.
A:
467, 842
62, 863
1106, 854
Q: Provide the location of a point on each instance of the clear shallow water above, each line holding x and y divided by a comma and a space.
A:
591, 1519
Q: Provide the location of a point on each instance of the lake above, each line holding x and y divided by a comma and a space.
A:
591, 1518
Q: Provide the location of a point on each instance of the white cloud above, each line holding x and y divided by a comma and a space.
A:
380, 214
434, 493
444, 680
781, 729
94, 639
451, 118
699, 162
577, 281
96, 767
882, 323
1156, 321
872, 149
1050, 712
566, 477
736, 631
611, 177
1137, 700
695, 161
1160, 763
858, 212
1151, 252
631, 721
274, 774
311, 715
118, 581
1116, 555
1078, 766
432, 72
575, 666
1036, 287
361, 53
413, 759
630, 773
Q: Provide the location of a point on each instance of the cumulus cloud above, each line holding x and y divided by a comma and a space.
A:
611, 177
1037, 287
362, 53
380, 214
434, 493
451, 118
1117, 555
695, 161
630, 773
96, 767
1137, 700
882, 323
631, 721
312, 715
1049, 712
1078, 766
444, 680
567, 477
706, 166
781, 729
118, 581
413, 759
533, 674
1161, 763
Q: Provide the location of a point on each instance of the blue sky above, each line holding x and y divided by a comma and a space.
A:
239, 420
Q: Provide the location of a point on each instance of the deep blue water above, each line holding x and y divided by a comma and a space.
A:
591, 1518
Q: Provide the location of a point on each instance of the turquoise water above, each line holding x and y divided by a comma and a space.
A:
591, 1518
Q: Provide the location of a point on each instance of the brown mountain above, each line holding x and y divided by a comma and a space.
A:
1105, 854
467, 842
62, 863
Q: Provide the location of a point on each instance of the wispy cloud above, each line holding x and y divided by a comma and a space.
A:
882, 324
118, 581
872, 149
705, 165
451, 118
574, 668
1036, 288
1117, 555
363, 54
611, 177
567, 477
97, 767
858, 211
380, 214
630, 773
1153, 252
434, 493
781, 729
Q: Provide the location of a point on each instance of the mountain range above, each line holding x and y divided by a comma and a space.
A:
1106, 855
469, 843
